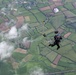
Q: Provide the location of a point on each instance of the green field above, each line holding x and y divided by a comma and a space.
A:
39, 56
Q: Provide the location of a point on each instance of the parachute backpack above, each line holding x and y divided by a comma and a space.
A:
58, 36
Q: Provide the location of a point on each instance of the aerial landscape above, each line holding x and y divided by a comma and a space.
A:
24, 49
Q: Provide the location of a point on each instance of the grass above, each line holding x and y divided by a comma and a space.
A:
41, 58
69, 1
32, 25
38, 0
40, 16
24, 13
12, 17
51, 56
74, 11
63, 59
69, 6
6, 69
1, 20
72, 37
71, 20
60, 7
70, 73
74, 47
48, 25
34, 45
58, 20
40, 64
27, 58
49, 31
69, 13
18, 56
22, 70
72, 55
65, 42
45, 51
41, 46
48, 11
60, 68
41, 28
35, 11
33, 64
37, 47
65, 49
40, 5
68, 65
34, 33
32, 18
21, 9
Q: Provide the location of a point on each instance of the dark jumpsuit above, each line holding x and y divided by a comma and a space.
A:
57, 41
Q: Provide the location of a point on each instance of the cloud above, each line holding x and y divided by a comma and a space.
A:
3, 13
25, 39
3, 9
12, 34
37, 71
5, 50
12, 22
23, 30
25, 27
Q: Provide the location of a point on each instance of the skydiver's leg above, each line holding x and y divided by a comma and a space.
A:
52, 44
58, 46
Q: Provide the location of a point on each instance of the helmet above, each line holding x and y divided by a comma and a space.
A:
56, 32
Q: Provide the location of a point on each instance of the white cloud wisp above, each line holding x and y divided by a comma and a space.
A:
5, 50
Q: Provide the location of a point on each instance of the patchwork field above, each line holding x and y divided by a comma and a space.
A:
32, 19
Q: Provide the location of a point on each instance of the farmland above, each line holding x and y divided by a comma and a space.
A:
32, 13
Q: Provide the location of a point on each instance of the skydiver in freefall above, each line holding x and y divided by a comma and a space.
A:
57, 40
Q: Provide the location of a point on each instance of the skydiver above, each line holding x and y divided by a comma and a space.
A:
57, 40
